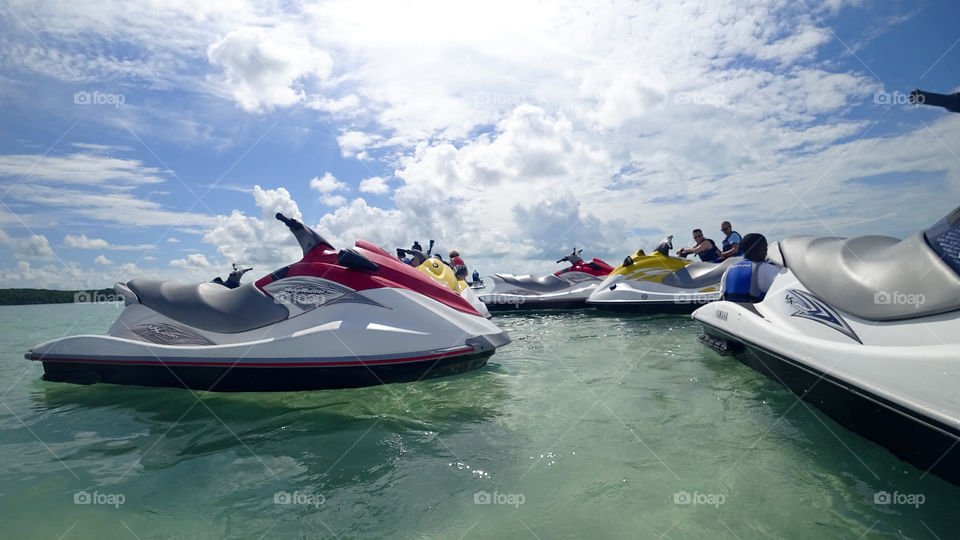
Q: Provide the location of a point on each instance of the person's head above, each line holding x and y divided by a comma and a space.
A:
726, 228
755, 247
416, 246
697, 235
454, 253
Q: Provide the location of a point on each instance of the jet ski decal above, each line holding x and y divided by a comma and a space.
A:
169, 334
307, 293
810, 307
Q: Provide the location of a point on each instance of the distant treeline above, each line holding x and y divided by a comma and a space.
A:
19, 297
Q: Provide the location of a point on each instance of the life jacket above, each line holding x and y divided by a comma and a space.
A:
711, 255
741, 283
727, 244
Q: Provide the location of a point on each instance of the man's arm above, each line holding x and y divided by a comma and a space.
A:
702, 246
730, 252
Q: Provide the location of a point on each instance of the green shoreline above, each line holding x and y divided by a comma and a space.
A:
23, 297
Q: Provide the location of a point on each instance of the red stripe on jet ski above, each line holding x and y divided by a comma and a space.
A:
260, 364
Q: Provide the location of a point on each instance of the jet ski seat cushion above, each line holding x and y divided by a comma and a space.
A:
209, 306
698, 275
543, 284
868, 276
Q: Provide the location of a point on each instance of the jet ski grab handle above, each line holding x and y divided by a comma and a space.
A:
950, 102
307, 237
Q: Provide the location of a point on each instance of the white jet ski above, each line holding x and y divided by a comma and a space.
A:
564, 289
866, 329
356, 317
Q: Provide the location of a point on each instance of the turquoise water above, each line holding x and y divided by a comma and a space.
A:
585, 426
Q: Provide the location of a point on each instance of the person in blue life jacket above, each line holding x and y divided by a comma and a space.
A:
704, 248
731, 242
749, 280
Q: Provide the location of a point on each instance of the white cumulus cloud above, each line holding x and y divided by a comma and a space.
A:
193, 260
83, 242
376, 185
327, 184
266, 67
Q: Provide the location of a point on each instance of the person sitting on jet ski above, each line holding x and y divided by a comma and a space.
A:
731, 244
459, 267
749, 280
704, 248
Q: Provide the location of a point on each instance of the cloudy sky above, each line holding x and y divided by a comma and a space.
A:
159, 138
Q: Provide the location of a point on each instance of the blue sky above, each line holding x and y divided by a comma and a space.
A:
158, 139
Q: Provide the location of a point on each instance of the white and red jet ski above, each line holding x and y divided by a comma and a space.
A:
347, 318
564, 289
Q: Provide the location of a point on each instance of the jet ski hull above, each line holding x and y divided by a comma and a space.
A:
569, 290
883, 380
926, 443
680, 304
275, 375
647, 297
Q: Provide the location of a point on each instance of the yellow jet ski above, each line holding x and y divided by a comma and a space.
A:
440, 272
660, 283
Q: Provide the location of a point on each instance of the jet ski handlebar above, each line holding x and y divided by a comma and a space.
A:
950, 102
306, 237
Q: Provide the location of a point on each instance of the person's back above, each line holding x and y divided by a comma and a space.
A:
459, 267
749, 280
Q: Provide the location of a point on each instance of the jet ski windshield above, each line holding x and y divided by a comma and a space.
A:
944, 239
573, 257
665, 245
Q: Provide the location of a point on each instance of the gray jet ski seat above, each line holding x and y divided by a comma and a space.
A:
209, 306
699, 275
876, 278
543, 284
